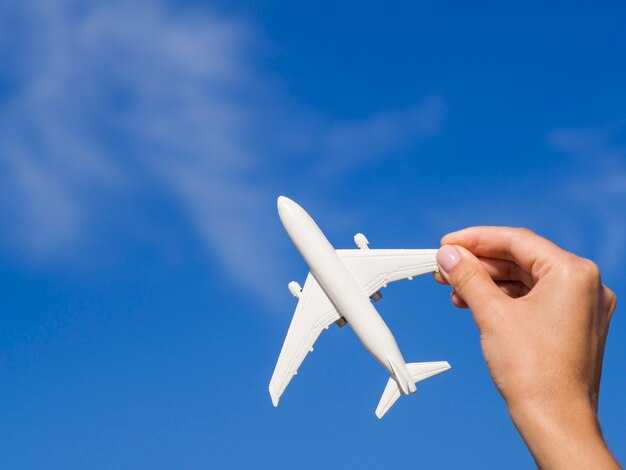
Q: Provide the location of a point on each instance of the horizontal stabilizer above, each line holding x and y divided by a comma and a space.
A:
418, 371
422, 370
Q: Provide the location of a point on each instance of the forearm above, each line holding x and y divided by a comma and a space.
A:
564, 435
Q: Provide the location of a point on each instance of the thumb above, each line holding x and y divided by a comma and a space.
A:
467, 276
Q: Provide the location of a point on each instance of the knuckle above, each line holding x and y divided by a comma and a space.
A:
567, 267
611, 300
589, 270
580, 271
523, 231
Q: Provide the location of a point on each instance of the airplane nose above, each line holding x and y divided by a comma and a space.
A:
283, 208
290, 213
281, 202
286, 206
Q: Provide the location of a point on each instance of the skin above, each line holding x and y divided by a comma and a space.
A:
543, 315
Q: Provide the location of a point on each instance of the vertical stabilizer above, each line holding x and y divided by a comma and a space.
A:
390, 396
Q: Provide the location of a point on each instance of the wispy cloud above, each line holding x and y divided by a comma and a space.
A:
583, 208
112, 99
599, 187
597, 146
353, 144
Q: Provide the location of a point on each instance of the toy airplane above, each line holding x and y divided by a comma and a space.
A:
338, 290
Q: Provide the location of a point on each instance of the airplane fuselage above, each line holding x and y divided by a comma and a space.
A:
343, 291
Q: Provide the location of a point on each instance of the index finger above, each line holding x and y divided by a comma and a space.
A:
530, 251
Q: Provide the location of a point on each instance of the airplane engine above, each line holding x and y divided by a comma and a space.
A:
361, 241
295, 289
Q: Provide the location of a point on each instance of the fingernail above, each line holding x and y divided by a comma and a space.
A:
448, 257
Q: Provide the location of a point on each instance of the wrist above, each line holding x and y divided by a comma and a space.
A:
563, 433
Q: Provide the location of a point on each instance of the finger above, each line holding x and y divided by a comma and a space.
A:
457, 300
504, 270
469, 279
531, 252
513, 289
440, 279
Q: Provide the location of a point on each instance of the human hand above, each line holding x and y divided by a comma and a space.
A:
543, 315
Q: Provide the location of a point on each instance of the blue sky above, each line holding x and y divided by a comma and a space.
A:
144, 269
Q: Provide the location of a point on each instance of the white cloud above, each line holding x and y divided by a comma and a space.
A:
592, 145
599, 187
352, 144
111, 99
583, 208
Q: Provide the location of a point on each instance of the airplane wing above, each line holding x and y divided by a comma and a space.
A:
314, 313
374, 269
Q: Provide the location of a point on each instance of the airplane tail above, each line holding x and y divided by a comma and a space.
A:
418, 371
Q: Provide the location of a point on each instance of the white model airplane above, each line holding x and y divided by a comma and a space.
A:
338, 290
